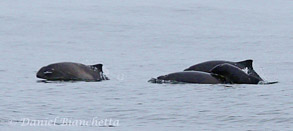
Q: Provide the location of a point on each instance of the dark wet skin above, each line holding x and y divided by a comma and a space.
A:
207, 66
191, 77
234, 74
214, 72
68, 71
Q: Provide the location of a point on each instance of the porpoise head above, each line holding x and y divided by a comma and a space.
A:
162, 77
49, 73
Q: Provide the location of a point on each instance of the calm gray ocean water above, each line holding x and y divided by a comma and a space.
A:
137, 40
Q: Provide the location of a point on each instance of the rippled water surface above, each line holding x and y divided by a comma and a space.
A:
138, 40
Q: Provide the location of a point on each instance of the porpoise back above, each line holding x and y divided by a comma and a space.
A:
208, 65
197, 77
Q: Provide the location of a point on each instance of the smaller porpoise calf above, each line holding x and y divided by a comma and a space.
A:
69, 71
234, 74
196, 77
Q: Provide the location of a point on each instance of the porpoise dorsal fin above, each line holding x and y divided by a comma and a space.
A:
246, 63
97, 67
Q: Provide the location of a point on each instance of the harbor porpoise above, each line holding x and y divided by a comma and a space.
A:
70, 71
